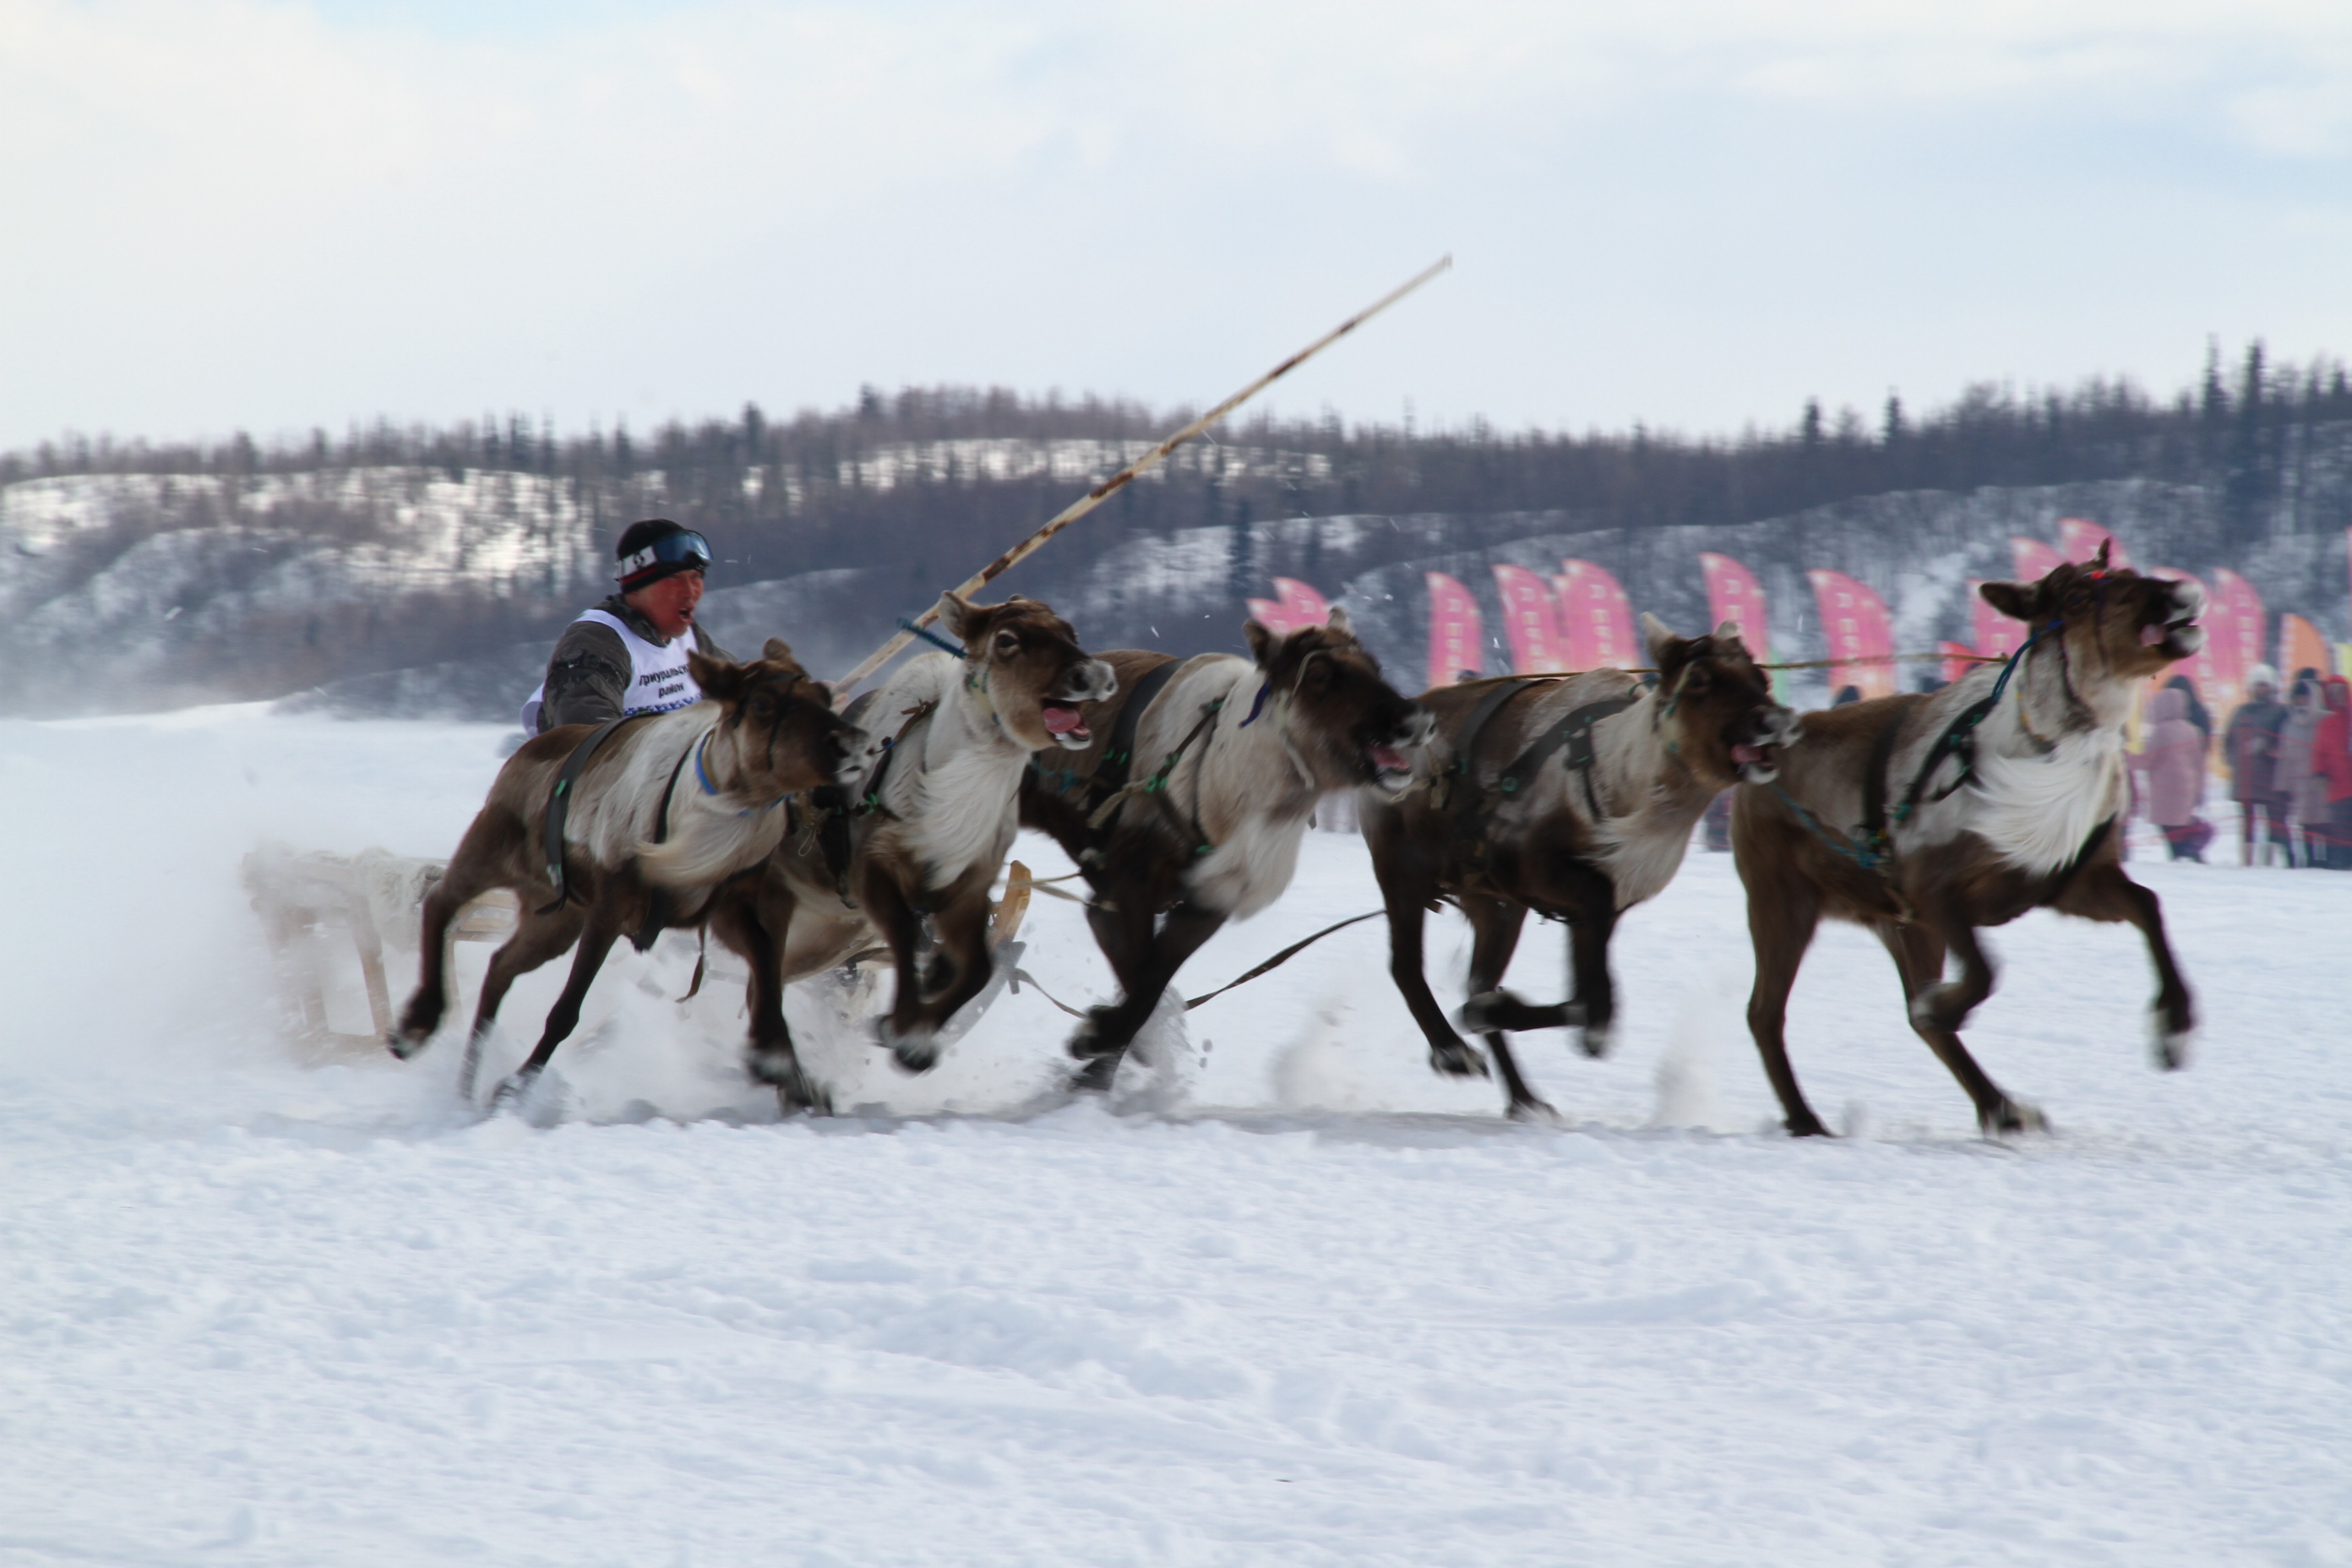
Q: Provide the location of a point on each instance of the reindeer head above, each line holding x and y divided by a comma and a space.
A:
1344, 723
777, 733
1715, 707
1025, 662
2112, 622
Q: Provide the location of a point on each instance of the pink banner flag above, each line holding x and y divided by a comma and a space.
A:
2035, 559
1457, 639
1595, 620
1995, 633
2079, 538
1306, 607
2239, 629
1853, 621
1273, 616
1530, 624
1732, 594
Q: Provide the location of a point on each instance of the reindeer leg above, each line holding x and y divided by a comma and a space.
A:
1408, 883
1495, 927
1919, 955
1945, 1005
1103, 1039
895, 916
1782, 914
2101, 891
601, 929
963, 952
770, 1058
537, 938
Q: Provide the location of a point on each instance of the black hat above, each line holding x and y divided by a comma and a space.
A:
658, 548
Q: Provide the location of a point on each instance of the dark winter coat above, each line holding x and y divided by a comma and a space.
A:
2252, 747
588, 674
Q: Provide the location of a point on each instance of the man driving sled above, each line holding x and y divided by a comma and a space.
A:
627, 656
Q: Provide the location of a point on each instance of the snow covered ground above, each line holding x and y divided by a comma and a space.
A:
1289, 1299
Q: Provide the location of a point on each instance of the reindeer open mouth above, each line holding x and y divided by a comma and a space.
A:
2176, 638
1758, 760
1067, 724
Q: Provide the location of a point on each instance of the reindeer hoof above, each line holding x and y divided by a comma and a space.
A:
1459, 1061
2169, 1048
778, 1067
1536, 1113
1597, 1040
2012, 1116
404, 1045
1807, 1126
1095, 1076
918, 1050
508, 1096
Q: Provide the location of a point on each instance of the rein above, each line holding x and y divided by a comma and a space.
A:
1020, 977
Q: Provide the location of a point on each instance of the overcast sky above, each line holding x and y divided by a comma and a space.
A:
272, 215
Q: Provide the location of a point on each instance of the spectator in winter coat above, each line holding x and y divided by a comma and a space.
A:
2331, 760
2250, 747
2304, 791
2171, 776
2197, 714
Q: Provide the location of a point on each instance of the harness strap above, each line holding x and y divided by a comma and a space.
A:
1462, 772
559, 804
1960, 737
1157, 783
1873, 834
658, 898
1573, 732
1118, 751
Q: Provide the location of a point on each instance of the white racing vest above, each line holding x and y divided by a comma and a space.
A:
658, 679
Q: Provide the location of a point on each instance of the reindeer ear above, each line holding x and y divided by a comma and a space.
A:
1339, 622
1665, 648
2015, 600
1729, 633
2105, 545
776, 650
1264, 644
720, 681
961, 617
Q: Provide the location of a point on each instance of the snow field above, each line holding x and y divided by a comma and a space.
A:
1289, 1299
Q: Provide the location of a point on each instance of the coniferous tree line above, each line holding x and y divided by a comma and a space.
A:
926, 483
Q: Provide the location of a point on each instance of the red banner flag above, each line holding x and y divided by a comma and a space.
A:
2080, 538
1457, 638
1995, 633
2035, 559
1595, 620
1306, 607
2300, 648
1530, 621
1959, 659
2238, 628
1732, 594
1853, 620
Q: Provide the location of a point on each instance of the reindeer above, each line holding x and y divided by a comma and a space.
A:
1242, 749
659, 817
938, 815
1590, 817
2000, 794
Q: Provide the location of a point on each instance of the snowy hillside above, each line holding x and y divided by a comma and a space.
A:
1289, 1299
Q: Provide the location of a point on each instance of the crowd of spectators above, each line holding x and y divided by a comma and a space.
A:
2289, 764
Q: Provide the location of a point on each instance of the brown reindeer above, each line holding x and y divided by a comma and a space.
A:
937, 817
1573, 796
665, 812
1188, 811
1925, 818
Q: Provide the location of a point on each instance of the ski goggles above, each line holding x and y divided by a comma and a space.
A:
683, 552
